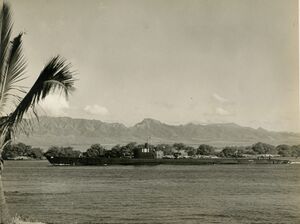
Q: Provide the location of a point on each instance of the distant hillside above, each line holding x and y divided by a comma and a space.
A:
81, 133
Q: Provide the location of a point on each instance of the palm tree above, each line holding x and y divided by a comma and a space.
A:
15, 100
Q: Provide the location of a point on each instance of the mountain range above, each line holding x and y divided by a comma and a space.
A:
81, 133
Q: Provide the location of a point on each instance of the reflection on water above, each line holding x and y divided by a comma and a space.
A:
154, 194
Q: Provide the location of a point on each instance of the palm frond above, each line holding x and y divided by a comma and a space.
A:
14, 72
5, 33
56, 76
5, 133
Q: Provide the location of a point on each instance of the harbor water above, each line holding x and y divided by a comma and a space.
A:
153, 194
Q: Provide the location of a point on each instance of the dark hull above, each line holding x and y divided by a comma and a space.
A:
127, 161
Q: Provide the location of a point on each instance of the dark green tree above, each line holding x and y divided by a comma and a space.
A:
285, 150
36, 153
166, 148
204, 149
128, 150
296, 150
56, 151
191, 151
263, 148
95, 151
231, 151
179, 146
115, 152
12, 151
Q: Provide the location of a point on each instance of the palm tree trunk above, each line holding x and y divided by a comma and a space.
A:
4, 215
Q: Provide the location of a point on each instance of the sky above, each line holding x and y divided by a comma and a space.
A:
178, 61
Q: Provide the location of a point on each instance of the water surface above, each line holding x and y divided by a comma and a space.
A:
154, 194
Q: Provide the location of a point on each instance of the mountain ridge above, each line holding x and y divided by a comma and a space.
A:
81, 133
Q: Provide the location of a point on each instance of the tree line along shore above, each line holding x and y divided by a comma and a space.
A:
21, 151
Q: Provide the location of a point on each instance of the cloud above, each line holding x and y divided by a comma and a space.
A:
55, 105
219, 98
222, 112
96, 109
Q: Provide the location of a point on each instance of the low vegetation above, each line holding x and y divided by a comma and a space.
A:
62, 152
177, 150
21, 151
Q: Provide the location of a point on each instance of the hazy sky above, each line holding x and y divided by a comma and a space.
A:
206, 61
